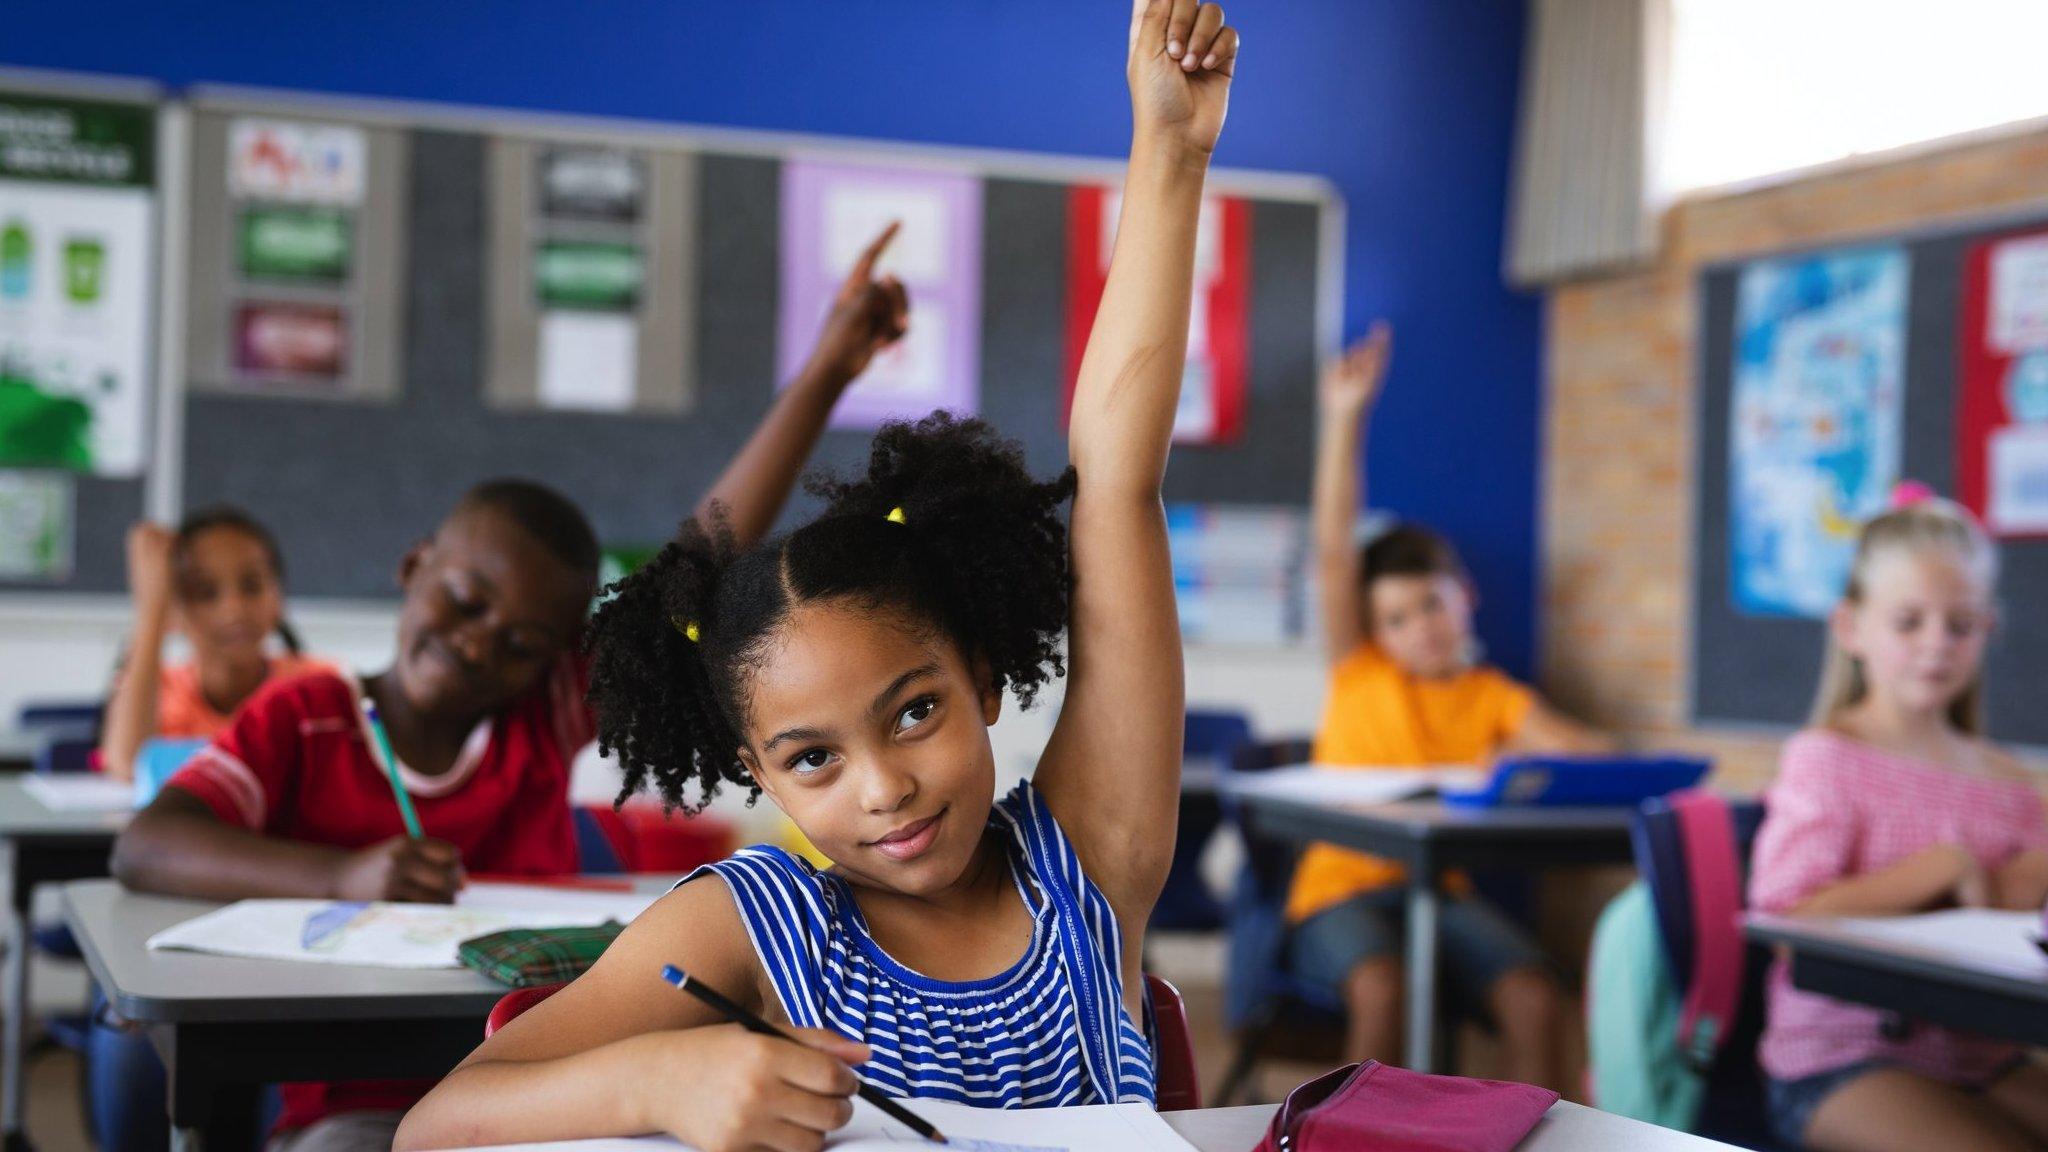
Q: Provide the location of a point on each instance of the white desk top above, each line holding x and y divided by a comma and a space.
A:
113, 926
22, 816
1972, 947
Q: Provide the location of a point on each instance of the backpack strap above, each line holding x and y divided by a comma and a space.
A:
1713, 994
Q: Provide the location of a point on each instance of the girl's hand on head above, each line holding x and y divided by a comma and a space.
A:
741, 1091
424, 871
869, 314
1182, 57
149, 565
1351, 383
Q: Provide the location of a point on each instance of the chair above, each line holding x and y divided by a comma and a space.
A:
1720, 1036
1262, 999
1176, 1084
65, 753
599, 850
77, 716
1185, 903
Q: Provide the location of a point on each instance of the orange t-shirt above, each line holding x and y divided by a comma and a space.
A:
1379, 716
182, 710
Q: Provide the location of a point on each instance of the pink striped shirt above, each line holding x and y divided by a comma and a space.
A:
1840, 808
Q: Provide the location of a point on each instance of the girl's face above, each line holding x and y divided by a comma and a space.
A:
1422, 623
1919, 630
873, 738
229, 597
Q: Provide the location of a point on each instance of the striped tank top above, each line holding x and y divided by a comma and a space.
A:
1052, 1030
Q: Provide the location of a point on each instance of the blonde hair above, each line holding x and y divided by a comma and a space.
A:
1928, 523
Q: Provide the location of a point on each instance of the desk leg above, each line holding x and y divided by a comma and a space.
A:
1421, 1031
13, 1032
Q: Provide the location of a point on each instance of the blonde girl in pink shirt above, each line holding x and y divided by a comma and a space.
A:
1892, 802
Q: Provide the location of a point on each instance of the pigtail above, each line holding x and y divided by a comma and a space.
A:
985, 532
289, 637
651, 689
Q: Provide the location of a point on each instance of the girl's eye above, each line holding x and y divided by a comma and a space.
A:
918, 712
1961, 627
810, 761
1907, 622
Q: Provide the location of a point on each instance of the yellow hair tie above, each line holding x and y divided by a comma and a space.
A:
688, 629
896, 516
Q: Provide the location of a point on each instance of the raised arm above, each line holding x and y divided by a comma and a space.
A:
1350, 386
1111, 771
869, 314
131, 711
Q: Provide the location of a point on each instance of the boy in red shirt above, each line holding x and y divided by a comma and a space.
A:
483, 704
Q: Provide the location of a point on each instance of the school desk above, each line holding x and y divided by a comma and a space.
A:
18, 748
1926, 977
1428, 838
41, 846
1566, 1127
221, 1022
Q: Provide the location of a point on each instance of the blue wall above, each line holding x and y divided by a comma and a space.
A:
1407, 105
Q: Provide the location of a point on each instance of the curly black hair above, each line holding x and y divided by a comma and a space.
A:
978, 555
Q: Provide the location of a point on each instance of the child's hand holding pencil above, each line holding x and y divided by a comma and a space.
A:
401, 868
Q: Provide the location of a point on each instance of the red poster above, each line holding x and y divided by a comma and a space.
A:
2002, 407
1212, 394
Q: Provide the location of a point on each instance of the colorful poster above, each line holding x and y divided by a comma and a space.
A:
2002, 413
36, 514
77, 267
1212, 391
1815, 421
294, 162
830, 214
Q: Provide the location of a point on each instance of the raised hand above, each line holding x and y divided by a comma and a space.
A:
1351, 383
1182, 57
149, 566
869, 314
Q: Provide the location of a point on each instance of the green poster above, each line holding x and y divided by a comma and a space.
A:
295, 244
76, 141
574, 274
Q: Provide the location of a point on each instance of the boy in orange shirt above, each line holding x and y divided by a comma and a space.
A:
1407, 690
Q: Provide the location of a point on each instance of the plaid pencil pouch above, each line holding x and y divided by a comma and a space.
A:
525, 957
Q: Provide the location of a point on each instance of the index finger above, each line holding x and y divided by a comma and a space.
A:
814, 1071
864, 268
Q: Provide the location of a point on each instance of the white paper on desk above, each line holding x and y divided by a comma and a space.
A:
1123, 1127
394, 935
88, 792
1988, 936
1320, 784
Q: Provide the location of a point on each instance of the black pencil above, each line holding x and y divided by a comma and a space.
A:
753, 1023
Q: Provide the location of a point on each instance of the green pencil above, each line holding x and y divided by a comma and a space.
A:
390, 758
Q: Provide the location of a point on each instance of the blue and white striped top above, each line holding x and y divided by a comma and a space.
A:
1050, 1031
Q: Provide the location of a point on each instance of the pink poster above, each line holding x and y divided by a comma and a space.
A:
830, 213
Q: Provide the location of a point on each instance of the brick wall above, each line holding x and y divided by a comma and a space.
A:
1619, 436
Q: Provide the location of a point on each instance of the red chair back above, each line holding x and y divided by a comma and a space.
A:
1176, 1084
516, 1001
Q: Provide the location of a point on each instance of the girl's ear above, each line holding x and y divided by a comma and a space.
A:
753, 767
991, 696
411, 561
1842, 629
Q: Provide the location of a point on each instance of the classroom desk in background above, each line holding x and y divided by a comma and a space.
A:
41, 846
1918, 978
221, 1022
1428, 838
18, 748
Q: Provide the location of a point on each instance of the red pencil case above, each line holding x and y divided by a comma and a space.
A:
1385, 1109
